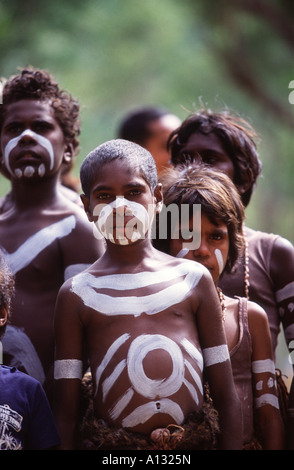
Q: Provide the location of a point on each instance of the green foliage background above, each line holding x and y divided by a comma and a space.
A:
114, 55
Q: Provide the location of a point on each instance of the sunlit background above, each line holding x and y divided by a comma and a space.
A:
115, 55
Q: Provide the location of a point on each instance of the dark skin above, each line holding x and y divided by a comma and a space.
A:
209, 149
189, 319
37, 203
267, 419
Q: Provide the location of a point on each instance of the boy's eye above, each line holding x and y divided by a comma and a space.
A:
134, 192
103, 196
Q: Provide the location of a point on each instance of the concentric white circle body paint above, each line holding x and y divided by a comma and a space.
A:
149, 388
42, 141
135, 229
220, 261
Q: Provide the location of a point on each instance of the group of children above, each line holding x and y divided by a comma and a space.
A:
139, 341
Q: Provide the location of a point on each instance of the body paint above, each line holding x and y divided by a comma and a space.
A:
85, 285
220, 261
144, 412
143, 385
267, 399
215, 355
266, 365
35, 244
68, 369
135, 229
29, 170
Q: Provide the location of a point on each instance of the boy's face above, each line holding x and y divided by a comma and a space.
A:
209, 149
121, 203
213, 249
32, 141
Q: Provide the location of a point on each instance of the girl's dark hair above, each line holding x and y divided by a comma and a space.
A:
237, 137
35, 84
218, 197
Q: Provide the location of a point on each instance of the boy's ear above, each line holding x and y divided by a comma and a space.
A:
158, 196
68, 153
86, 204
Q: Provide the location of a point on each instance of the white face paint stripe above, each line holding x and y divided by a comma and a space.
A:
108, 356
149, 304
266, 365
146, 387
267, 399
220, 261
45, 143
141, 414
215, 355
35, 244
193, 352
182, 253
285, 293
74, 269
110, 381
124, 400
68, 369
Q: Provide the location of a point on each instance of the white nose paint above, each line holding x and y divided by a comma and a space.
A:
42, 141
220, 261
135, 228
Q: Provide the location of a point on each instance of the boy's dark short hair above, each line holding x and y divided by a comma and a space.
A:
36, 84
6, 289
136, 157
237, 137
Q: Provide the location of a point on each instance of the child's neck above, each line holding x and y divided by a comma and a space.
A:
128, 257
35, 194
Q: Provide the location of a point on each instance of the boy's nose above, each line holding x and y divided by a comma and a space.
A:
27, 138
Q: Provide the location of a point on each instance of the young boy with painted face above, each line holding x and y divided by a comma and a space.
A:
246, 323
146, 317
26, 420
44, 236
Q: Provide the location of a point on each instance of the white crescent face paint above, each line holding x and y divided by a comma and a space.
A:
116, 229
29, 170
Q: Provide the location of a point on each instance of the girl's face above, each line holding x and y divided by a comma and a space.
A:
213, 250
121, 203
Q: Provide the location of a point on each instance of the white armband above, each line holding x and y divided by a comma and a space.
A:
215, 355
266, 365
68, 369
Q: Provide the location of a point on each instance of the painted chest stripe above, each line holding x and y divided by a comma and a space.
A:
137, 280
34, 245
131, 305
